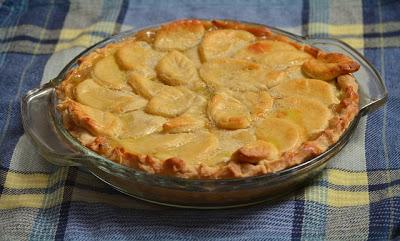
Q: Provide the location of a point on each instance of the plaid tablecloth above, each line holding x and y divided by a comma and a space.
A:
356, 198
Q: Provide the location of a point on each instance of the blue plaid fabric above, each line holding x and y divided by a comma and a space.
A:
356, 198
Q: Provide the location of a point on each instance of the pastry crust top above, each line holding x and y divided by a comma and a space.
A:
209, 99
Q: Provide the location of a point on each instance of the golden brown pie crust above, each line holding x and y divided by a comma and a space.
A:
228, 109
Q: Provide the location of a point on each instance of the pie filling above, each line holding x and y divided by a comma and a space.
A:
209, 99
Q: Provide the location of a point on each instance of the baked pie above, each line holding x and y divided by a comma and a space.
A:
209, 99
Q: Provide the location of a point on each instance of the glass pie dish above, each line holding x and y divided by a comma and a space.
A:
43, 124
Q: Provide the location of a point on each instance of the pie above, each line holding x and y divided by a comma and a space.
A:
209, 100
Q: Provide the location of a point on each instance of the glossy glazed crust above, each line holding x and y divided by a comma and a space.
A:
256, 159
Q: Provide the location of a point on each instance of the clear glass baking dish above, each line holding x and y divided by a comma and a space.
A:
42, 123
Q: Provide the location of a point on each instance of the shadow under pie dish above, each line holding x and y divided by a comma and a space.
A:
193, 101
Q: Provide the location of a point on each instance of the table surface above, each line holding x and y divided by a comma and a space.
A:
356, 198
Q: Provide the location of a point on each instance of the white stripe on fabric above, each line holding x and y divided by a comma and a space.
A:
57, 62
25, 158
352, 156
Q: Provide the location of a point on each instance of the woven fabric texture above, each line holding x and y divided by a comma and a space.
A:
356, 198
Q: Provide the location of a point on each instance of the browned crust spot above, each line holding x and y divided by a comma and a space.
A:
81, 119
255, 152
171, 30
258, 48
186, 23
78, 117
259, 31
174, 165
181, 124
328, 66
